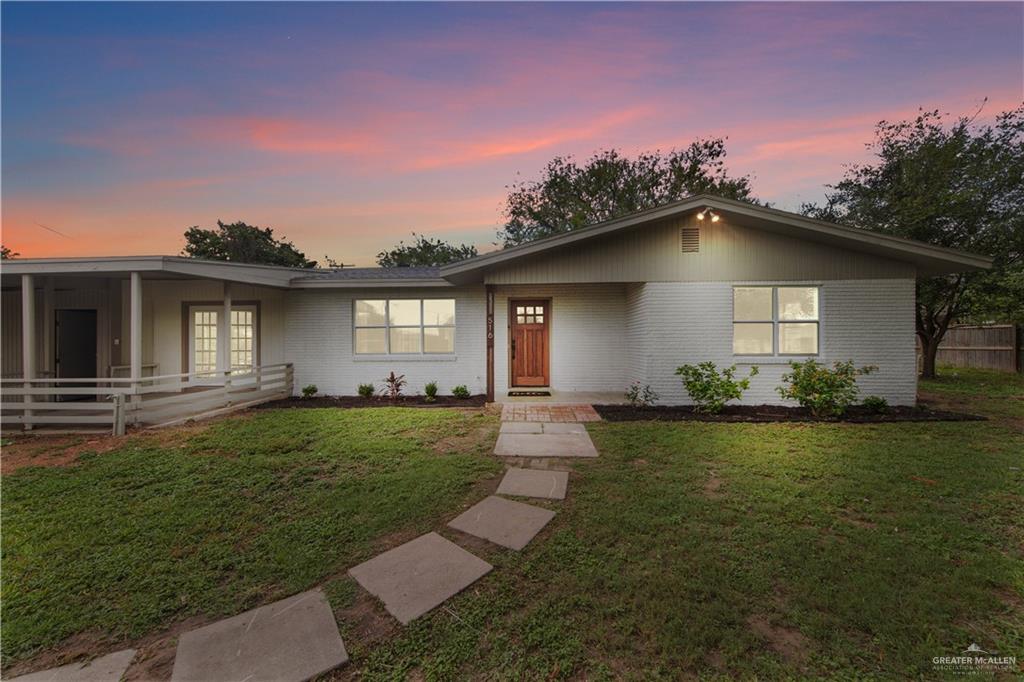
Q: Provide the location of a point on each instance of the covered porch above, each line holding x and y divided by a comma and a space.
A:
105, 344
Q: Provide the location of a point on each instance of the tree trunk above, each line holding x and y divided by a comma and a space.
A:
929, 349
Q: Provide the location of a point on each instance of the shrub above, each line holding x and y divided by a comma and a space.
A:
460, 392
393, 385
366, 390
309, 391
431, 391
825, 392
876, 404
710, 389
641, 395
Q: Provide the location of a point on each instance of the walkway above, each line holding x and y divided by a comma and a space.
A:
297, 638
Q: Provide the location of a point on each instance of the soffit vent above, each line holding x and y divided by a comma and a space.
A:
689, 239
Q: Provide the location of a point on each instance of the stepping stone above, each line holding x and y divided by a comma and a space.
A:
109, 668
521, 427
292, 639
564, 427
544, 445
535, 483
413, 578
503, 522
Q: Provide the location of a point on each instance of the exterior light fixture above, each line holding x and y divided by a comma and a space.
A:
706, 212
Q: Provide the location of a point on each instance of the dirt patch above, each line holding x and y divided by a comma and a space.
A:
788, 642
483, 436
853, 519
347, 402
776, 413
712, 486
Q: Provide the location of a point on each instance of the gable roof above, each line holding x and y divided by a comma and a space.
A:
929, 259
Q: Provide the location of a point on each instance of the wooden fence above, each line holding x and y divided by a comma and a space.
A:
995, 346
113, 402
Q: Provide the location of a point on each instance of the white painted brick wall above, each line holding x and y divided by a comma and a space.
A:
868, 321
318, 341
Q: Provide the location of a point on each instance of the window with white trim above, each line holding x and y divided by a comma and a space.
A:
775, 320
404, 326
206, 345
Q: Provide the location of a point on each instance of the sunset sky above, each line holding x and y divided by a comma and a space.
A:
346, 127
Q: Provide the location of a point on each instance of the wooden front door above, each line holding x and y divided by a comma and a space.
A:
530, 321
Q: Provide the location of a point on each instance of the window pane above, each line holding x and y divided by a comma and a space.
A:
241, 340
439, 312
204, 343
800, 338
752, 338
371, 341
751, 303
798, 303
369, 313
439, 339
405, 340
403, 313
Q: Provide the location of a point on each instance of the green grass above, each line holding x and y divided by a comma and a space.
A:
770, 551
252, 508
996, 394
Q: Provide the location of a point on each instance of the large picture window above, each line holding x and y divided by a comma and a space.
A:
775, 320
404, 326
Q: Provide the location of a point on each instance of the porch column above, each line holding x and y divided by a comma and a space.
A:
28, 338
135, 328
490, 342
224, 332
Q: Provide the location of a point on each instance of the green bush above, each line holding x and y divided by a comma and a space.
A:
430, 390
825, 392
309, 391
641, 395
876, 404
460, 392
366, 390
710, 389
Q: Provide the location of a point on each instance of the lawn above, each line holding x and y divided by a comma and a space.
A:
213, 520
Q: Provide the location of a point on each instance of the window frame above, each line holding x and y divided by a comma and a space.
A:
188, 309
387, 327
776, 321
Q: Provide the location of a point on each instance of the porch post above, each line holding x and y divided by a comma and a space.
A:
489, 288
135, 322
28, 339
224, 332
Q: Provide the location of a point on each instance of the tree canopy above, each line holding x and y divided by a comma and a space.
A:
957, 184
7, 253
569, 196
242, 243
424, 251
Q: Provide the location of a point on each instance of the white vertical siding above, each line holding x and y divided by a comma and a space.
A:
318, 341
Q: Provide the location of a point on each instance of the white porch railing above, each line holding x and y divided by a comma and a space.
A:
116, 402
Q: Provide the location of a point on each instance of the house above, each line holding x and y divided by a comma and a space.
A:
581, 314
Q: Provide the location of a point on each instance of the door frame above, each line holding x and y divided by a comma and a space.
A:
546, 301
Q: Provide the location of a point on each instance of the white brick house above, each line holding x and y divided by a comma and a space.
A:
585, 312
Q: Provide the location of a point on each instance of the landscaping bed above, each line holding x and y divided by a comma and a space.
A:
777, 413
351, 401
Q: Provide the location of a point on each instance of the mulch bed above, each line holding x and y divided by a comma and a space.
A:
344, 401
777, 413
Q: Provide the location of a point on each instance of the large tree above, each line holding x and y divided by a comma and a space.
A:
569, 196
242, 243
424, 251
958, 184
7, 254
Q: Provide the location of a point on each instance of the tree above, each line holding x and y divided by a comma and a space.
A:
960, 186
242, 243
7, 254
424, 251
570, 196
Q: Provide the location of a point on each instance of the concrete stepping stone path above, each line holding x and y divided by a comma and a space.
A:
109, 668
503, 522
535, 483
544, 445
413, 578
293, 639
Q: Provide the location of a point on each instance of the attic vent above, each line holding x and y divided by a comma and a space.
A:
689, 239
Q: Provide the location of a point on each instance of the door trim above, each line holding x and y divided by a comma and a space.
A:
547, 302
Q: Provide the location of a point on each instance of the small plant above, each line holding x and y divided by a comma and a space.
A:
711, 389
393, 385
876, 404
641, 395
430, 390
825, 392
309, 391
366, 390
461, 392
